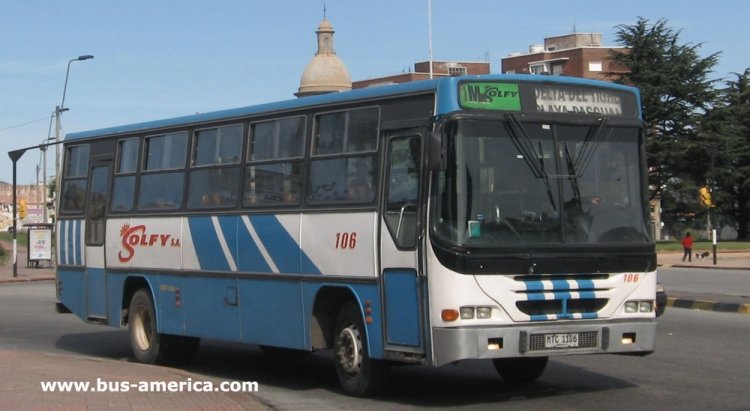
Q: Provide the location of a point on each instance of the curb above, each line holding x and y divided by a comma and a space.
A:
708, 305
24, 280
712, 267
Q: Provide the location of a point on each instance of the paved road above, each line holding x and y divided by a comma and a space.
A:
38, 345
700, 363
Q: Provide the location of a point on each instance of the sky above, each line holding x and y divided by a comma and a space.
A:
156, 59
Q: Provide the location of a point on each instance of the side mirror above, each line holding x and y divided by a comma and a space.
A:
436, 152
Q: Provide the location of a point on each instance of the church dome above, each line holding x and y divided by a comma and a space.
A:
325, 73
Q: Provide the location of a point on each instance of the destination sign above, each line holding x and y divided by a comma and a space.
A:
578, 100
532, 97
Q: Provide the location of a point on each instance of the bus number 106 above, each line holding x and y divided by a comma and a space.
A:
346, 240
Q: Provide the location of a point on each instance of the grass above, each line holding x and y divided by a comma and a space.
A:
5, 236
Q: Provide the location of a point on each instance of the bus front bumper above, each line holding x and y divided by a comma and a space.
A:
463, 343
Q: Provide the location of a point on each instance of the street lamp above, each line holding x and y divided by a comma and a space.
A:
58, 112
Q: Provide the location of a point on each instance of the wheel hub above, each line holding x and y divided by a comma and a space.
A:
350, 350
142, 328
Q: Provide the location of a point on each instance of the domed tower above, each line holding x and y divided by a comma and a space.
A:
325, 73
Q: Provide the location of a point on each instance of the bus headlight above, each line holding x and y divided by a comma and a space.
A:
631, 306
636, 306
484, 312
467, 313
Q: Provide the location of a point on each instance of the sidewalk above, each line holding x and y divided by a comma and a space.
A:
111, 384
725, 260
45, 271
23, 373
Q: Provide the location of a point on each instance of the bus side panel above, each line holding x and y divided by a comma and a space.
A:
115, 291
167, 291
401, 290
366, 295
71, 288
211, 307
272, 313
96, 294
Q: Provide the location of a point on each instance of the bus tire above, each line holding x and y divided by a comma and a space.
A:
359, 375
520, 370
145, 341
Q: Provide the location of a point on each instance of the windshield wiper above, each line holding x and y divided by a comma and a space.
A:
588, 149
573, 178
526, 147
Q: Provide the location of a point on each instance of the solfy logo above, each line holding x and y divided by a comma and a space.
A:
136, 236
489, 94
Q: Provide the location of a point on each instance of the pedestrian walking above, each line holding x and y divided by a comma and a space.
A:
687, 247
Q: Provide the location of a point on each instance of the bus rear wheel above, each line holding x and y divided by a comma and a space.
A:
144, 340
147, 344
520, 370
359, 375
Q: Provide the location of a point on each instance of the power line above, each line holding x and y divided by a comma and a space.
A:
23, 124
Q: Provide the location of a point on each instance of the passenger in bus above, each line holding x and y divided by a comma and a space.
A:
74, 198
358, 190
211, 199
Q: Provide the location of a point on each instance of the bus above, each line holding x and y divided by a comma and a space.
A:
498, 217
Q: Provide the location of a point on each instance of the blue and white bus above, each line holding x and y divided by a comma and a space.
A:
499, 217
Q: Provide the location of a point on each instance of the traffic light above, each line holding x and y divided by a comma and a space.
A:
705, 196
22, 211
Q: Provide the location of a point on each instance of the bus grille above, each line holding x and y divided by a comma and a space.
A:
561, 297
562, 308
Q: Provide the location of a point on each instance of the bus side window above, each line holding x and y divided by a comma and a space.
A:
273, 175
343, 165
73, 196
403, 190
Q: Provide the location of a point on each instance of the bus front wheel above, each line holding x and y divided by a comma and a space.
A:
520, 370
358, 374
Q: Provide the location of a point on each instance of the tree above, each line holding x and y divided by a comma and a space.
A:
726, 130
675, 95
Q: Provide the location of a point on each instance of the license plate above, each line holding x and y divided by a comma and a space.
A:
561, 340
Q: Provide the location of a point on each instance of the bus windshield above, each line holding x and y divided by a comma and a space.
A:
511, 183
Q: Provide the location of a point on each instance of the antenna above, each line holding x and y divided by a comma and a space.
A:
324, 11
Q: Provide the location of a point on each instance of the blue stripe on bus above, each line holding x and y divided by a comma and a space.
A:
534, 286
61, 246
206, 243
282, 248
69, 242
78, 249
535, 296
228, 225
586, 289
284, 251
562, 292
250, 257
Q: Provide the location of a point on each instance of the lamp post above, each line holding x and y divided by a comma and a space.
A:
58, 112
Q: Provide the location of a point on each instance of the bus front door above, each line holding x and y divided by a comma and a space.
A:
401, 282
96, 284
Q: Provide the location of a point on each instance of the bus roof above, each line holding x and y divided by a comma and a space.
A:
446, 88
